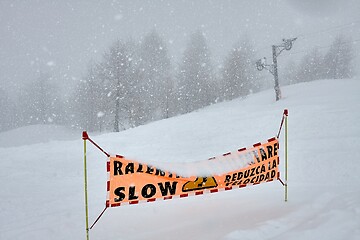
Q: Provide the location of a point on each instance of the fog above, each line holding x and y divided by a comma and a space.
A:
62, 37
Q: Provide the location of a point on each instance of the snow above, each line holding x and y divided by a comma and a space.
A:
35, 134
215, 166
118, 17
41, 172
100, 114
50, 63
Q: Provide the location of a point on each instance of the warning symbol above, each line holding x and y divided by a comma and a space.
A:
199, 183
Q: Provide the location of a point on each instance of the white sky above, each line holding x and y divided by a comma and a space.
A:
63, 36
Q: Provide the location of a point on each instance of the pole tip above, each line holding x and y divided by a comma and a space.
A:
85, 135
286, 112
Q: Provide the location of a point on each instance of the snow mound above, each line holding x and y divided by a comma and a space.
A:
36, 134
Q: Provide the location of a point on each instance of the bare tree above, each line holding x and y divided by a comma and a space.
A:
115, 71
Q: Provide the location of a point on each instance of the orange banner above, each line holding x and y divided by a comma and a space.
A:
133, 182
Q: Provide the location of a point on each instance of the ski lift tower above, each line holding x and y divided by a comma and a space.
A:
272, 68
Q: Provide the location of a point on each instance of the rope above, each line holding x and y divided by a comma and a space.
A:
97, 219
285, 114
281, 181
86, 137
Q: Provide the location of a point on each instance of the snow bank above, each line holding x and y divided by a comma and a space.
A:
36, 134
42, 195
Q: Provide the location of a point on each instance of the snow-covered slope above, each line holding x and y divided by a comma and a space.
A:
36, 134
42, 195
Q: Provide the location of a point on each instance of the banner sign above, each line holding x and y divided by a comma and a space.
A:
131, 182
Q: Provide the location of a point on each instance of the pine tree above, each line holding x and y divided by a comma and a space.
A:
154, 71
311, 67
289, 74
7, 111
239, 77
89, 101
40, 101
196, 76
338, 59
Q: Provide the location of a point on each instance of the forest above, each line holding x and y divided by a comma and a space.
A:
137, 82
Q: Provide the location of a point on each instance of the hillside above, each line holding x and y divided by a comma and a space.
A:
42, 183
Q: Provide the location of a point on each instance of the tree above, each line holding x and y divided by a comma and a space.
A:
338, 59
238, 76
89, 100
116, 76
154, 72
7, 111
311, 67
41, 101
289, 73
196, 76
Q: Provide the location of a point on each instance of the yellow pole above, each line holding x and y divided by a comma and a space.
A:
85, 188
286, 154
